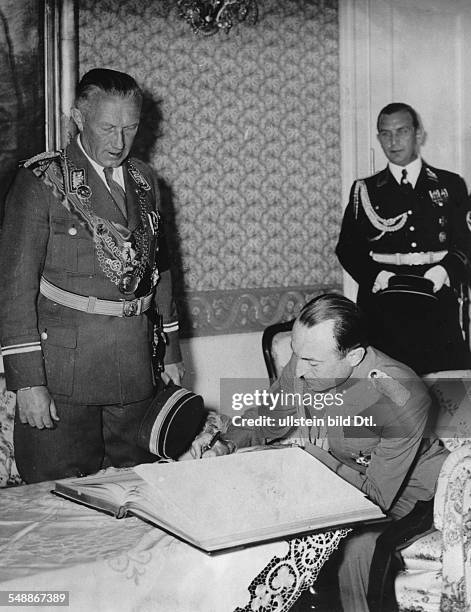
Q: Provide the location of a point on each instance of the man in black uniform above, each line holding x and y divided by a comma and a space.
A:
84, 262
409, 219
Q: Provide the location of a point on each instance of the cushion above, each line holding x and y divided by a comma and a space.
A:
424, 552
8, 471
451, 391
419, 590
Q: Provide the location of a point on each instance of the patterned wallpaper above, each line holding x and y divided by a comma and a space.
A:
243, 130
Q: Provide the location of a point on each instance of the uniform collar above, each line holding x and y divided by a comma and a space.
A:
103, 203
117, 172
362, 369
367, 363
373, 363
413, 171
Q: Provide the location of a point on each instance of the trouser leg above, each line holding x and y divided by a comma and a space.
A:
120, 428
354, 568
74, 447
364, 560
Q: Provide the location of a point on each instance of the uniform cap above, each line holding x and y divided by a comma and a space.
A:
172, 421
409, 284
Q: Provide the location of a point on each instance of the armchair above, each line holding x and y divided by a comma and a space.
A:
437, 567
276, 347
8, 472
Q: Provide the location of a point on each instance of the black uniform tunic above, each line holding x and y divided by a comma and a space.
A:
420, 331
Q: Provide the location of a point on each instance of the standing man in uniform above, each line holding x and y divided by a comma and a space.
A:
85, 271
409, 219
388, 457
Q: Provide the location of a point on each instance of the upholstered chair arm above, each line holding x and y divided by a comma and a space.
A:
452, 516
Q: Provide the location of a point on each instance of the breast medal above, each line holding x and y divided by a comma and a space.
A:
122, 256
129, 280
128, 283
439, 196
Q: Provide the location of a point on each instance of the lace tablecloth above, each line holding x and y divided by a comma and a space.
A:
48, 543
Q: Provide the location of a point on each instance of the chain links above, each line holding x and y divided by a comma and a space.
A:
107, 238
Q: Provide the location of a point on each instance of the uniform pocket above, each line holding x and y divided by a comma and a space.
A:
64, 245
72, 246
59, 346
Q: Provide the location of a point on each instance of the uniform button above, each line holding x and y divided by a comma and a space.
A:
413, 244
44, 335
72, 231
412, 228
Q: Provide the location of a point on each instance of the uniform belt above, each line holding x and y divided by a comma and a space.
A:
409, 259
94, 305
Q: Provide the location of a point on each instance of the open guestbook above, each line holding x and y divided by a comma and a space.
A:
224, 502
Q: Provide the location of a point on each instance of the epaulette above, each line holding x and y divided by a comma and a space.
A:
431, 174
390, 387
47, 156
370, 176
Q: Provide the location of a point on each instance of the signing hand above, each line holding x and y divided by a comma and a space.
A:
221, 447
381, 281
207, 445
200, 444
439, 277
36, 407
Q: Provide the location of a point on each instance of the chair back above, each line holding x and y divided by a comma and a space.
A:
276, 345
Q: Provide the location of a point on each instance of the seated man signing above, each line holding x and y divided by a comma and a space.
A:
369, 430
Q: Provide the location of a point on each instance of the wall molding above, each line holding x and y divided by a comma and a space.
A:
210, 313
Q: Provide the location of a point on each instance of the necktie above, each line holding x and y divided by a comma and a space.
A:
117, 192
404, 181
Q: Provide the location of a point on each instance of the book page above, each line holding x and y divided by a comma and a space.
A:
257, 492
111, 485
152, 503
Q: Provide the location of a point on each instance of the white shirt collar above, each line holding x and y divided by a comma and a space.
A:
117, 172
413, 171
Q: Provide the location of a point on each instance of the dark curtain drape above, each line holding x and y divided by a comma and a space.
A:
21, 86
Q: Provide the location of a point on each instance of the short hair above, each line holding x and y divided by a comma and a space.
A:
109, 82
397, 107
349, 324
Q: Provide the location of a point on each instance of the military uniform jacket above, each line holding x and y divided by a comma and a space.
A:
432, 217
389, 454
81, 357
